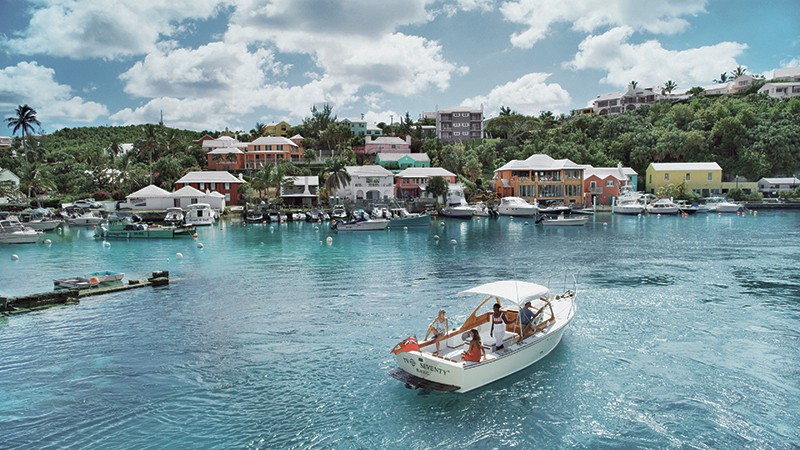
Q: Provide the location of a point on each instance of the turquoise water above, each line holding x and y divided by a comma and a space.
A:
686, 336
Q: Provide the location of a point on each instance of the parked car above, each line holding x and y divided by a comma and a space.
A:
86, 203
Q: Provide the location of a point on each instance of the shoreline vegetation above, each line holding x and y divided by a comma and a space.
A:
749, 135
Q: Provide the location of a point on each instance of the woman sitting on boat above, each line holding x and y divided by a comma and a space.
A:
439, 328
475, 352
498, 329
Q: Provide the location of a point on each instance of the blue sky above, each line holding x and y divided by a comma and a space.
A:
213, 64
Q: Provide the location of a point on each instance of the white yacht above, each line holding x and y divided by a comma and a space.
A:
456, 205
174, 216
721, 205
663, 206
516, 206
199, 214
400, 217
13, 232
87, 219
630, 204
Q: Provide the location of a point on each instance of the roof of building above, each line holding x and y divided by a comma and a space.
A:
297, 136
304, 181
460, 109
791, 180
387, 140
387, 157
8, 174
273, 140
209, 176
422, 172
188, 191
368, 171
151, 191
225, 151
786, 72
539, 162
767, 86
686, 166
604, 172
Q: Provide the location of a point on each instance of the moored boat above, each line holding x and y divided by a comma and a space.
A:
128, 230
516, 206
12, 231
562, 221
199, 214
174, 216
419, 367
361, 222
721, 205
400, 217
87, 219
662, 206
630, 204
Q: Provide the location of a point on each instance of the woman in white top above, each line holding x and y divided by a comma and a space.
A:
498, 329
439, 328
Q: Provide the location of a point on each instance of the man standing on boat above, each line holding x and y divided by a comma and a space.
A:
526, 317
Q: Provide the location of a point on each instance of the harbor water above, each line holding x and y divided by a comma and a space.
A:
687, 335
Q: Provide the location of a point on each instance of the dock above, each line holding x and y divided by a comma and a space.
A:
34, 302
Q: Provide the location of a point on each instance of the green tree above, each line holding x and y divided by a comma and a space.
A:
23, 120
437, 187
336, 175
723, 78
739, 71
669, 86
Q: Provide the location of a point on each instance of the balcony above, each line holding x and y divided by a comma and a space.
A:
596, 191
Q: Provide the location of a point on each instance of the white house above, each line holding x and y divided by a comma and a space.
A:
772, 186
188, 195
149, 197
786, 74
781, 90
300, 190
9, 181
368, 182
222, 142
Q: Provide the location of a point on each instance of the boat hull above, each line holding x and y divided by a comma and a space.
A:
516, 211
628, 210
461, 212
44, 225
562, 222
366, 225
419, 221
20, 237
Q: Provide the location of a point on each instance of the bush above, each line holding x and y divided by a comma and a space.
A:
101, 195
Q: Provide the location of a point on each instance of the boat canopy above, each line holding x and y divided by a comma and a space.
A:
517, 292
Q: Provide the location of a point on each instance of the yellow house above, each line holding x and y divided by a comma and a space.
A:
703, 178
279, 129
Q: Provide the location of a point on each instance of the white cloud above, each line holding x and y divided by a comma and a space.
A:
529, 94
104, 29
650, 64
655, 16
35, 85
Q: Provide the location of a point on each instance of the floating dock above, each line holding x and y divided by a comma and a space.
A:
33, 302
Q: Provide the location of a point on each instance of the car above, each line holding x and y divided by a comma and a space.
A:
86, 203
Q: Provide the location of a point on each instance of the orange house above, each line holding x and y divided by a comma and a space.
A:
541, 179
230, 158
270, 149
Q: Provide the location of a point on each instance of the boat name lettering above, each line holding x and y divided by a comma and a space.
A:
431, 368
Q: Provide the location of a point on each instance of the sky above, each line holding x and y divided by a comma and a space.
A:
216, 65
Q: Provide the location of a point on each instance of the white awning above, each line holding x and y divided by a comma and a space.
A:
517, 292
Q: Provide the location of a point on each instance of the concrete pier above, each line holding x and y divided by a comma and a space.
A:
32, 302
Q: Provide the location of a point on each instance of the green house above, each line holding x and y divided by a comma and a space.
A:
402, 161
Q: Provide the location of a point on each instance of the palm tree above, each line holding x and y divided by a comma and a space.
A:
24, 121
634, 84
309, 155
173, 142
149, 145
338, 177
739, 71
723, 77
437, 186
669, 86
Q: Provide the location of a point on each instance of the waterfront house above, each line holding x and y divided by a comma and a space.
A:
227, 158
602, 184
370, 182
401, 161
300, 191
702, 178
389, 144
219, 181
148, 198
541, 179
413, 182
771, 187
270, 149
9, 182
277, 129
360, 127
188, 195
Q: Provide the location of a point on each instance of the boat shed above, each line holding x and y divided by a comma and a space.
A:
188, 195
149, 197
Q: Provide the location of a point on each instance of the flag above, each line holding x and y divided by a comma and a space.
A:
408, 345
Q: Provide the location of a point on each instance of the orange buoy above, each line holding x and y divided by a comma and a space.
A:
94, 280
194, 235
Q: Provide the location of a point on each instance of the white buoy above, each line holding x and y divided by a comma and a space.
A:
453, 242
48, 242
405, 228
605, 224
179, 255
316, 228
106, 244
199, 245
442, 223
526, 223
14, 258
435, 237
329, 240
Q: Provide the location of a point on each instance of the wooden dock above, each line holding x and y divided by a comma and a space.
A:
33, 302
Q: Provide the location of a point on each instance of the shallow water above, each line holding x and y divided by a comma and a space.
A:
268, 337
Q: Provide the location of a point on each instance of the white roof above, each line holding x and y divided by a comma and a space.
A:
215, 194
605, 172
209, 176
387, 140
517, 292
421, 172
368, 171
273, 140
297, 136
686, 166
786, 72
151, 191
188, 191
539, 162
792, 180
304, 181
224, 151
398, 156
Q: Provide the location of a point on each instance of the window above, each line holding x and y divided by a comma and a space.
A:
572, 190
666, 177
227, 197
688, 176
213, 186
709, 176
609, 183
227, 185
202, 186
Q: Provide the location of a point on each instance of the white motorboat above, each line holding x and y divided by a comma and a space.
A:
663, 206
87, 219
516, 206
632, 204
199, 214
339, 212
174, 216
686, 207
400, 217
360, 225
418, 367
481, 210
457, 205
721, 205
13, 232
562, 221
554, 209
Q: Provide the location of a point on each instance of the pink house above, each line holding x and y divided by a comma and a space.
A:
386, 144
412, 182
602, 184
